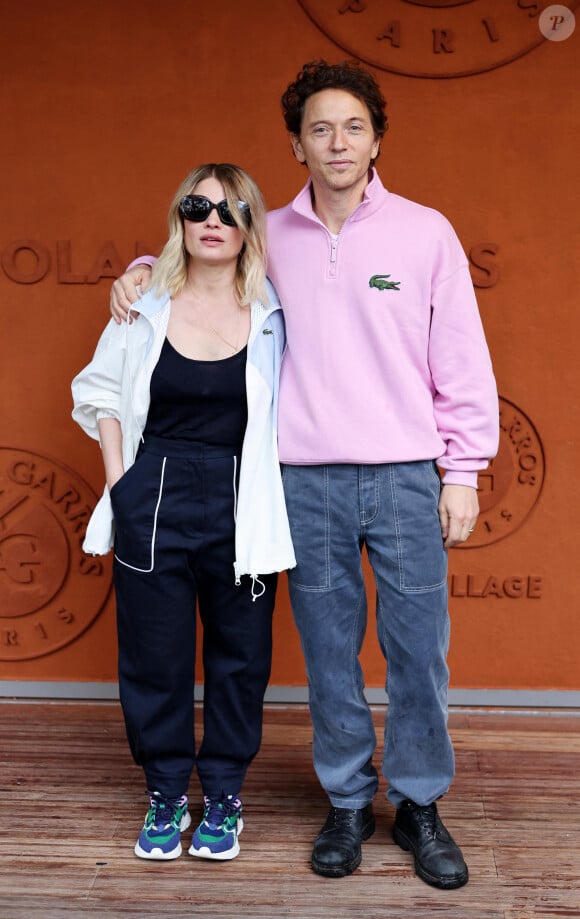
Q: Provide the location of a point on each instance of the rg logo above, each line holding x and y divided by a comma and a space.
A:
50, 591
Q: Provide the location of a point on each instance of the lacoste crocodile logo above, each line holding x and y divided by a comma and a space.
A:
381, 282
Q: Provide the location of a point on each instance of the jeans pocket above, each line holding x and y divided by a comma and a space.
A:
421, 554
306, 494
136, 499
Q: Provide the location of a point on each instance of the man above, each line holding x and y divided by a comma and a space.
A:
386, 373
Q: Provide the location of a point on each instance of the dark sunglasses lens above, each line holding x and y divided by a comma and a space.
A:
225, 214
244, 213
194, 207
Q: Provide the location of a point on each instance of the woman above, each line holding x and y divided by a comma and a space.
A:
183, 403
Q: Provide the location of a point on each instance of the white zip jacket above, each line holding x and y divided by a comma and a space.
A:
116, 384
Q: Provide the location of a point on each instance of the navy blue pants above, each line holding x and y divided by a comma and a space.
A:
174, 518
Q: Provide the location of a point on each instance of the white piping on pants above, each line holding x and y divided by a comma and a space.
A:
149, 570
235, 490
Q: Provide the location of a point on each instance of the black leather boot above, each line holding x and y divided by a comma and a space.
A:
337, 850
438, 858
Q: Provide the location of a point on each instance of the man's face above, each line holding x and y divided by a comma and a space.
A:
337, 140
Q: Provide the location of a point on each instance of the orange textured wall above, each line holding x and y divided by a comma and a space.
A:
105, 107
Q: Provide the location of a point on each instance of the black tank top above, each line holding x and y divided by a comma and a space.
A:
204, 401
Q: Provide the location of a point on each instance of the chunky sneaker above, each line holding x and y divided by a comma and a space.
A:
217, 834
160, 836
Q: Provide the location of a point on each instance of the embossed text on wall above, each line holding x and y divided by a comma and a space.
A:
432, 38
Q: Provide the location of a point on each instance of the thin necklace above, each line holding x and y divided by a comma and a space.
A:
233, 346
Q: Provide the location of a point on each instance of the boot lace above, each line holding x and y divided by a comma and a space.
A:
427, 819
341, 817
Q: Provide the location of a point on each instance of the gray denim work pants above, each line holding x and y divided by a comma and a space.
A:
391, 509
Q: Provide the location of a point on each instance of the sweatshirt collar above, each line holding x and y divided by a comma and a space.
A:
374, 197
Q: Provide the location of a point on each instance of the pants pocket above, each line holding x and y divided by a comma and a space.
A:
136, 501
416, 488
306, 495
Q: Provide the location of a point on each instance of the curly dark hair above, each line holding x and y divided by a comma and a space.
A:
348, 75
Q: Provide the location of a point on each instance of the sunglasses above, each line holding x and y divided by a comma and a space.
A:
197, 208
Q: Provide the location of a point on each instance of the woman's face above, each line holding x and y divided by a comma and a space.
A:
211, 241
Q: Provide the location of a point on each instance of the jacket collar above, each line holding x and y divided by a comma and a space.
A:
150, 304
152, 307
375, 195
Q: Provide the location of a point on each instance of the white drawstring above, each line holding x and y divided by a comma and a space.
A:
256, 580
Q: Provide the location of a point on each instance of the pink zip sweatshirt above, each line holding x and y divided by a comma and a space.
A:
386, 359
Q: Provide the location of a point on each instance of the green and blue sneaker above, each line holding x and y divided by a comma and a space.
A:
217, 834
160, 837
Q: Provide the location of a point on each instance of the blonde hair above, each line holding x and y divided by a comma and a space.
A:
170, 270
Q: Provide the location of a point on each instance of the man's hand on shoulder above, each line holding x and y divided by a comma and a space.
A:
124, 291
458, 512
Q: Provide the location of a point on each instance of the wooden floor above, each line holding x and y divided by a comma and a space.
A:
72, 804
